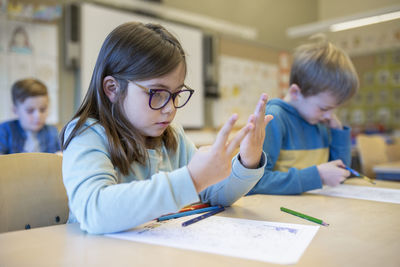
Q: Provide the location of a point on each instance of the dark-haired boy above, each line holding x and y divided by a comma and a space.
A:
29, 133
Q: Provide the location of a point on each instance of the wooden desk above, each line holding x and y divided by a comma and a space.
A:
361, 233
388, 170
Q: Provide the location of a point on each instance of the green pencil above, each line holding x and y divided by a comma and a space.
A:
301, 215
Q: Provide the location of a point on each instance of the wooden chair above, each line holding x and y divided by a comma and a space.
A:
32, 193
393, 150
372, 151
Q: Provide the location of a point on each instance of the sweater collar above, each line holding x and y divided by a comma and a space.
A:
286, 106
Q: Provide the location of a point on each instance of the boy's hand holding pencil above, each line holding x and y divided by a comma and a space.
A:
333, 173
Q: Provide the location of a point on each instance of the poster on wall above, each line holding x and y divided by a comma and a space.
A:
241, 82
28, 50
376, 106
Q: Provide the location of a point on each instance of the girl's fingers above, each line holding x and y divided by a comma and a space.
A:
267, 119
251, 119
223, 134
254, 120
261, 102
260, 108
235, 142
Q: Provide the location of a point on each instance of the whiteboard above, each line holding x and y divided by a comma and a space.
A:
98, 21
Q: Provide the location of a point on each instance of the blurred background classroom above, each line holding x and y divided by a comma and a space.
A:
236, 50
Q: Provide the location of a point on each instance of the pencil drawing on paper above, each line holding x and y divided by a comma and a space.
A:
258, 240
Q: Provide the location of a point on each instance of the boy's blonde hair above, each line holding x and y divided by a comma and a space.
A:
320, 66
22, 89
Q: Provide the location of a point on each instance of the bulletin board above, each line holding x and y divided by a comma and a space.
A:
245, 71
376, 106
375, 52
28, 49
241, 83
98, 21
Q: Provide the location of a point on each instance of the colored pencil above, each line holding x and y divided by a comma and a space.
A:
186, 213
307, 217
201, 217
195, 207
357, 174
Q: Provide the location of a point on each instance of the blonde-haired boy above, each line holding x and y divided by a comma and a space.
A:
307, 144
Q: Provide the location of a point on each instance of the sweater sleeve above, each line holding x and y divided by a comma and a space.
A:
340, 145
53, 142
239, 183
3, 139
295, 181
103, 205
57, 144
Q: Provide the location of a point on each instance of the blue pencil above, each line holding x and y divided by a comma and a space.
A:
186, 213
357, 174
201, 217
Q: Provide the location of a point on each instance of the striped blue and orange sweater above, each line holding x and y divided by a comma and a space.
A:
294, 148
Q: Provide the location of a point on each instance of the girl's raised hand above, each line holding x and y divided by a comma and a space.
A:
251, 146
212, 164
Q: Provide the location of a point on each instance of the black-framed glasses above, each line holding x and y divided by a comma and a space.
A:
159, 98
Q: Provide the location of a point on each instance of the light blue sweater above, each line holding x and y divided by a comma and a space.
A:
104, 201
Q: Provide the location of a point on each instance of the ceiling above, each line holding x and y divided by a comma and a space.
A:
271, 18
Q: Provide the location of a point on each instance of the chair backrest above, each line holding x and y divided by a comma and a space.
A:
393, 150
372, 151
32, 193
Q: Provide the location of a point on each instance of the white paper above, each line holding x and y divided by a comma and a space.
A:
360, 192
272, 242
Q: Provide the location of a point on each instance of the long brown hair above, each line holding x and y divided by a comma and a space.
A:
132, 51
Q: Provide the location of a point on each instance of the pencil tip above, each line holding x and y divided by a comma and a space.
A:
369, 179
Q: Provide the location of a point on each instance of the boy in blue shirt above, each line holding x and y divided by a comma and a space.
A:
29, 133
307, 144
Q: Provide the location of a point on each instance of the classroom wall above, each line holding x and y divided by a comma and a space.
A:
270, 18
248, 49
253, 51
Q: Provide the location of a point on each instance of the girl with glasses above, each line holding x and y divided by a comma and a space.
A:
124, 163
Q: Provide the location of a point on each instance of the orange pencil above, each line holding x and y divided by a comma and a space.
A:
195, 207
